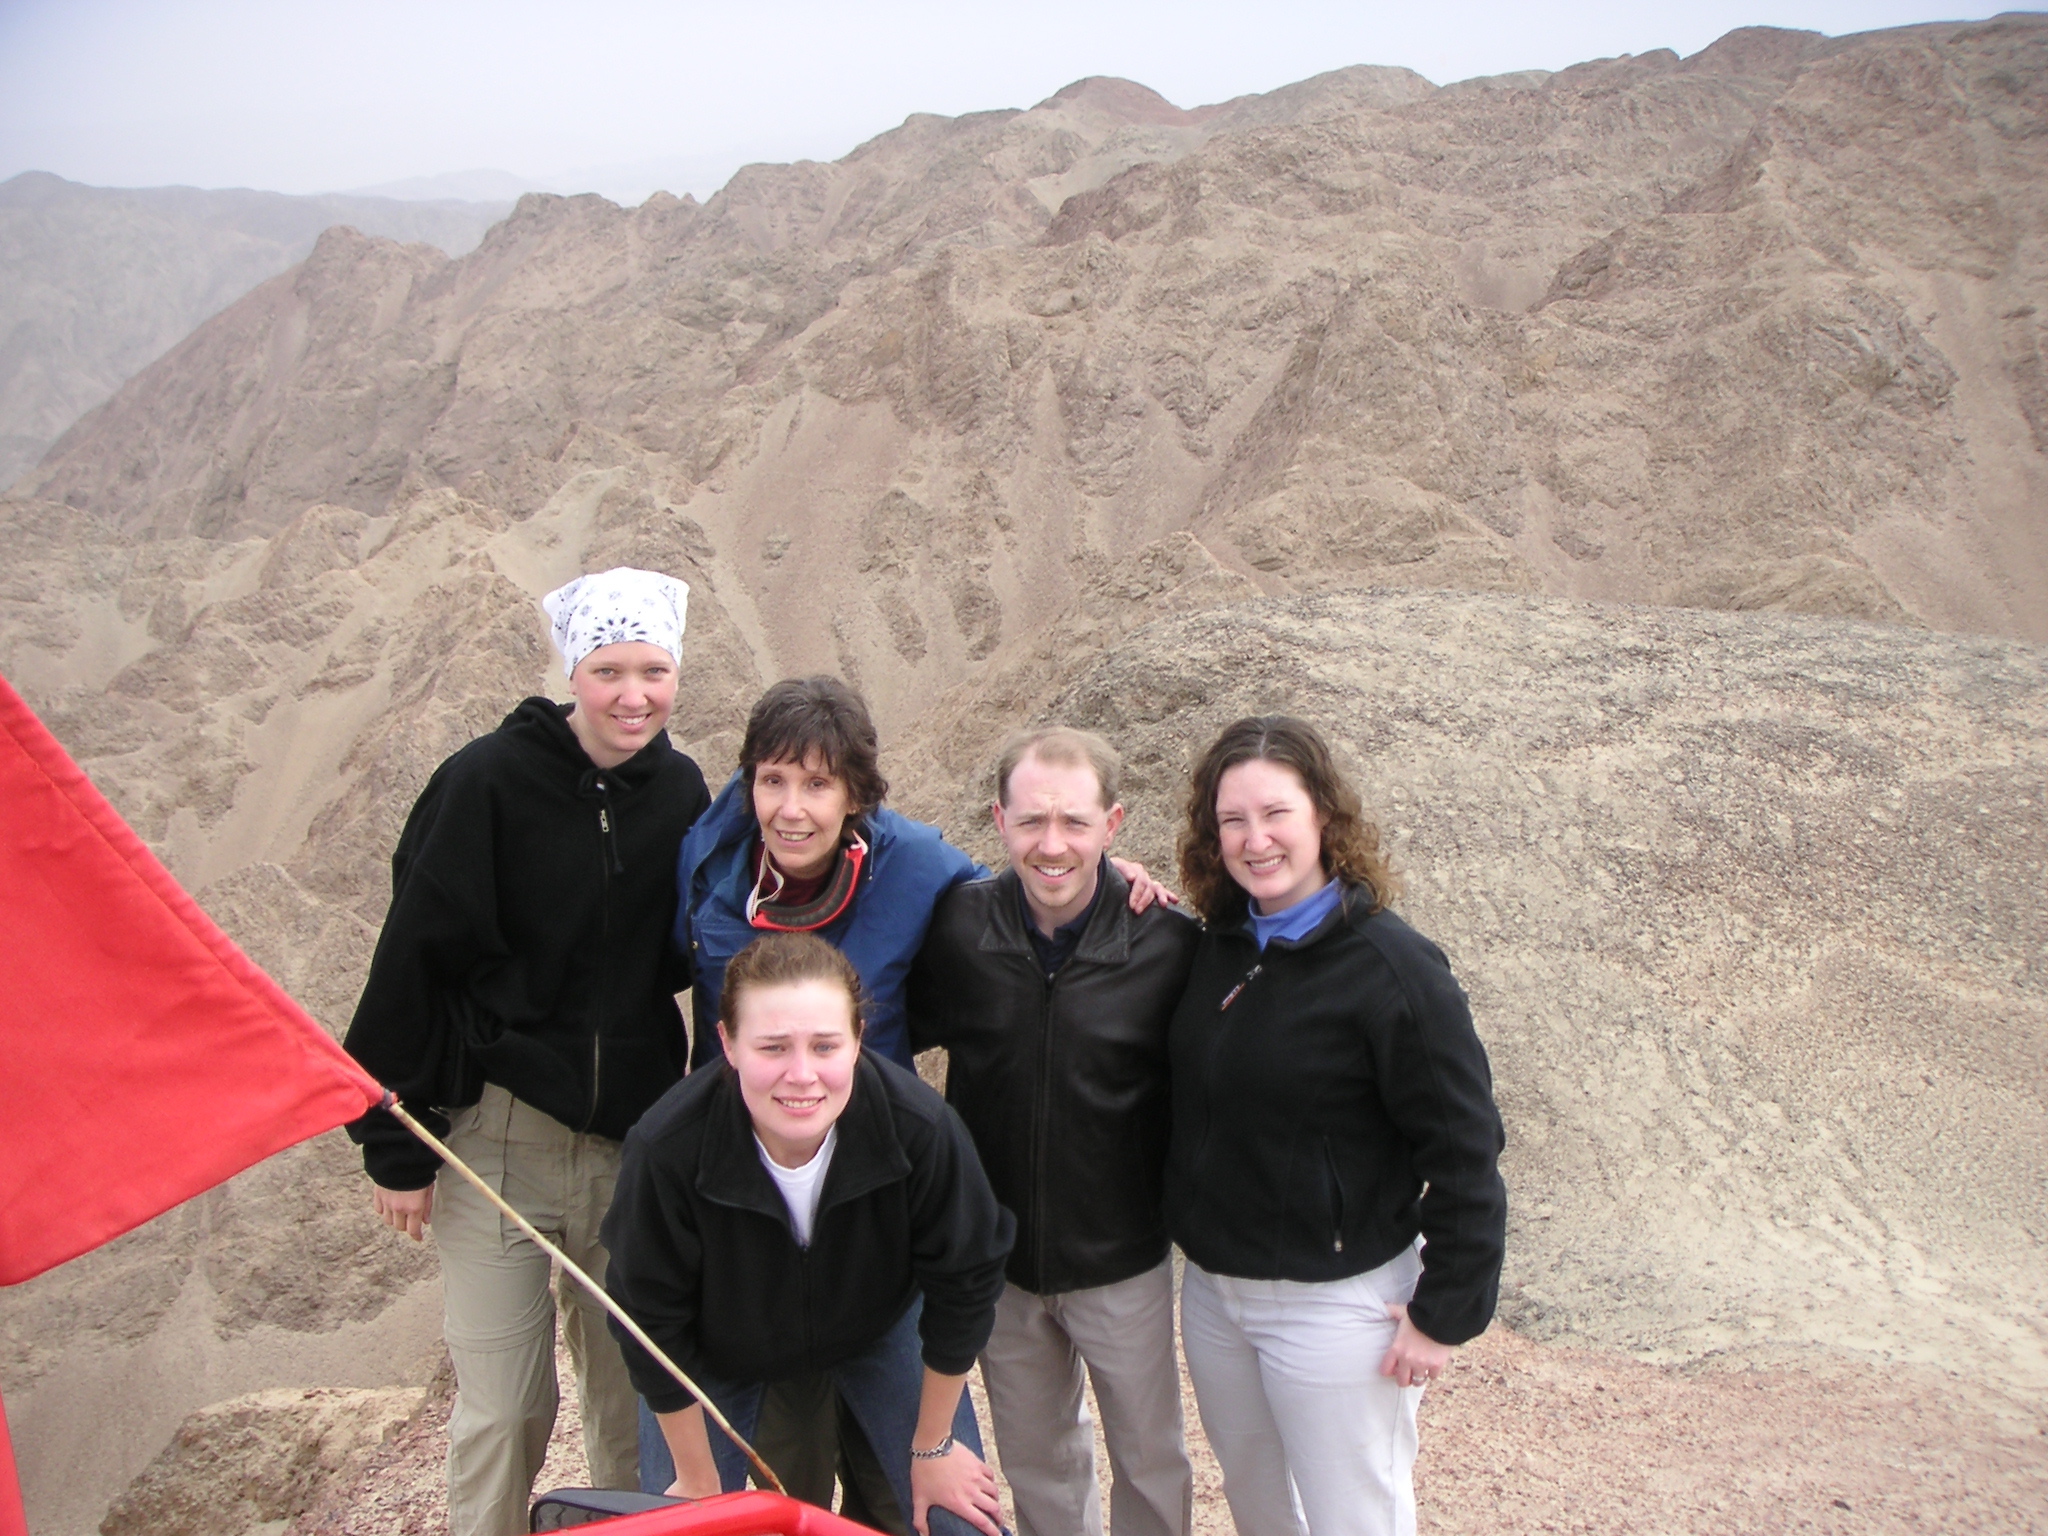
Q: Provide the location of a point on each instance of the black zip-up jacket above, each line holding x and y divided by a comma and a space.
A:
703, 1255
1061, 1079
527, 943
1317, 1089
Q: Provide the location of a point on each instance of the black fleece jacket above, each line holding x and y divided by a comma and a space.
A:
527, 944
1330, 1100
703, 1255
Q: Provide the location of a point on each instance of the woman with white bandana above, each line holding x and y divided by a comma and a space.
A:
522, 1002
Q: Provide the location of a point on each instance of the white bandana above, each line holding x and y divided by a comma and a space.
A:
617, 606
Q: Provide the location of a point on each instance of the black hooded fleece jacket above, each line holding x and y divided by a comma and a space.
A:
527, 944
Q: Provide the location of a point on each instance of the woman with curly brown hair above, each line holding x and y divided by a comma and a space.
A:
1333, 1172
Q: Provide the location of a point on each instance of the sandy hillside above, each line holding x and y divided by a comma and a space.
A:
1750, 912
1638, 469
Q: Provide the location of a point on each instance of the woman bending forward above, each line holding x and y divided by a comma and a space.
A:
803, 1207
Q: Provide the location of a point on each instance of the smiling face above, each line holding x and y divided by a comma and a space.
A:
624, 693
801, 808
793, 1046
1056, 828
1271, 834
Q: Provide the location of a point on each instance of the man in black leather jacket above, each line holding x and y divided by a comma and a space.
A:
1052, 999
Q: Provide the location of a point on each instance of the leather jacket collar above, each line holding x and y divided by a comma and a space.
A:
1106, 940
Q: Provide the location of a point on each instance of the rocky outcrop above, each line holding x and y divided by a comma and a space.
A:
257, 1461
1647, 329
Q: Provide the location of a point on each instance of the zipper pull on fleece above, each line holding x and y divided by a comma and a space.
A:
611, 841
1232, 995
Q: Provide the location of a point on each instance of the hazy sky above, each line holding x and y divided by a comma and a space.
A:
305, 97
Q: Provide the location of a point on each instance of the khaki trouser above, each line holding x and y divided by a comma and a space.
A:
500, 1313
1123, 1335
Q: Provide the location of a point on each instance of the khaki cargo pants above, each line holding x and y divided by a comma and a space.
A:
500, 1311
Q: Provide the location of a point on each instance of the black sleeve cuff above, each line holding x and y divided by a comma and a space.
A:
393, 1157
1453, 1325
663, 1393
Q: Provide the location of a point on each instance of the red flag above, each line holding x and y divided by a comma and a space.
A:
143, 1056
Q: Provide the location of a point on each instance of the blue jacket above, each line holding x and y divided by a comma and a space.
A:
909, 867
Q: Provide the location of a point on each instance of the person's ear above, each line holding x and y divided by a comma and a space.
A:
995, 812
725, 1045
1115, 819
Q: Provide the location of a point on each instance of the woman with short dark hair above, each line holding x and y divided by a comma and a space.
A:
799, 841
802, 1208
1332, 1175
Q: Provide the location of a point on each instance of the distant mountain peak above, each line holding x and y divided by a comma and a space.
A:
1125, 99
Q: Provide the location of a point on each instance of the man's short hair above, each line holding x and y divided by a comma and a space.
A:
1062, 747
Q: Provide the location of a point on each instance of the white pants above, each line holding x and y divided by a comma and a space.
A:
1312, 1439
1123, 1334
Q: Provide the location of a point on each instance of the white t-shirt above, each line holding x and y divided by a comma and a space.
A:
801, 1186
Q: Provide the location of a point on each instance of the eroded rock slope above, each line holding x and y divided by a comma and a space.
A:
1751, 329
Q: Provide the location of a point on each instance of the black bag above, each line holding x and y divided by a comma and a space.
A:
565, 1507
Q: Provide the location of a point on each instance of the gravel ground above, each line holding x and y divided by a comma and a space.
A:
1523, 1436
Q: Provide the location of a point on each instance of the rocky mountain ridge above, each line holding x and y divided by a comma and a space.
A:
1654, 330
